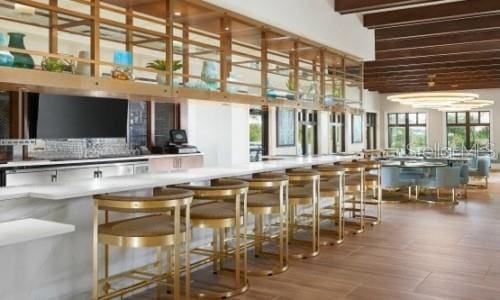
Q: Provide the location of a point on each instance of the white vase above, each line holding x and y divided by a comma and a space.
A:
161, 78
83, 68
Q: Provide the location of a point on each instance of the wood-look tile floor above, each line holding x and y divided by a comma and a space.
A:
420, 251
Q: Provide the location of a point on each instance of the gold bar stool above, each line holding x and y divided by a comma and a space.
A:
304, 192
355, 188
225, 207
262, 201
332, 186
162, 227
373, 182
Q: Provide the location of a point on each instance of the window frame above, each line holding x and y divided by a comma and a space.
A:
406, 125
468, 125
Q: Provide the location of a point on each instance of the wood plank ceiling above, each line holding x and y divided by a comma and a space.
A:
425, 45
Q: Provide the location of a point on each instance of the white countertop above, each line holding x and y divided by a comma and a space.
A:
25, 230
49, 163
83, 188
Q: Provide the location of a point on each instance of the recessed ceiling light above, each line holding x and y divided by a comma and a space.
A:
177, 14
226, 29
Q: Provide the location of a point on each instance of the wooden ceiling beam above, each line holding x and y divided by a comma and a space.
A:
426, 14
424, 76
471, 47
357, 6
446, 87
435, 60
469, 25
467, 65
450, 39
419, 81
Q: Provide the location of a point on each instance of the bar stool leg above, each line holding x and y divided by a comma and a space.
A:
160, 268
292, 221
282, 219
340, 210
237, 241
362, 209
106, 286
318, 214
188, 254
284, 210
245, 240
177, 252
216, 252
258, 235
95, 253
222, 248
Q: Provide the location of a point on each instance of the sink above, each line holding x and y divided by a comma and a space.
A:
272, 158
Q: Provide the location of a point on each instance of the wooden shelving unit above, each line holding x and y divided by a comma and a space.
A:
256, 64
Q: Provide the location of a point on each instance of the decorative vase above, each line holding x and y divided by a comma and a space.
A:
123, 66
210, 74
83, 68
6, 59
161, 78
21, 60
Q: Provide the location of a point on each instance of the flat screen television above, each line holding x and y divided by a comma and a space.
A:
62, 117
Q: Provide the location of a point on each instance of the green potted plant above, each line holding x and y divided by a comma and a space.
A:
160, 65
291, 86
52, 64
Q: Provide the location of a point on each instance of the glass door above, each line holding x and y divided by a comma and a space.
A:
336, 134
258, 133
307, 133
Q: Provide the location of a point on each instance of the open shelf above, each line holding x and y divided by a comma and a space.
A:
208, 52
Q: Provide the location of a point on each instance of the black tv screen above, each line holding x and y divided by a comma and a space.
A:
63, 117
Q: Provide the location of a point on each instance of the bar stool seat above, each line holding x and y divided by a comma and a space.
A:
371, 180
221, 207
355, 187
300, 195
269, 198
162, 228
262, 200
217, 210
332, 188
304, 193
152, 230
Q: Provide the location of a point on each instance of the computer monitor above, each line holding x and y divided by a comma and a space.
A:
178, 136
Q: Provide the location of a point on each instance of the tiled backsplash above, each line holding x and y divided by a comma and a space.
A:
79, 148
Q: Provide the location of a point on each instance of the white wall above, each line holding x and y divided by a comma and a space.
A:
371, 103
313, 19
220, 131
436, 123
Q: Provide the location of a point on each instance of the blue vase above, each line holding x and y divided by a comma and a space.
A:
210, 75
6, 59
21, 60
123, 62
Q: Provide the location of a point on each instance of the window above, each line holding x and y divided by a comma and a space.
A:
258, 133
407, 131
336, 133
371, 130
468, 129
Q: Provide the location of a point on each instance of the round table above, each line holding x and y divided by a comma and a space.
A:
449, 160
414, 164
408, 165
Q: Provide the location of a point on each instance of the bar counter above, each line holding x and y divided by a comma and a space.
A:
61, 191
58, 265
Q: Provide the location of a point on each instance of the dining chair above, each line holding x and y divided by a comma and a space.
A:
392, 180
464, 178
446, 178
483, 169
